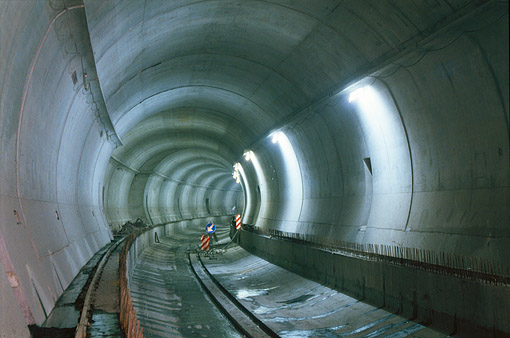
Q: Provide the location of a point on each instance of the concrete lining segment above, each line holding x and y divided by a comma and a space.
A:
51, 145
228, 78
254, 65
362, 198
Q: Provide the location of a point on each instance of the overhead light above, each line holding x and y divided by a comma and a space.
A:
357, 94
275, 137
236, 174
248, 155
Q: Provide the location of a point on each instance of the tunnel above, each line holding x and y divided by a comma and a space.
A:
377, 127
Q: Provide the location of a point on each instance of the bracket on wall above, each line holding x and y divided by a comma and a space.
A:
368, 164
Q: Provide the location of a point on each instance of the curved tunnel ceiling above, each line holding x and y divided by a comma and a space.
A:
113, 110
216, 77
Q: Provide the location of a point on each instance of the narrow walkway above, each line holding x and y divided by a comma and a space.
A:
62, 321
66, 312
168, 299
105, 316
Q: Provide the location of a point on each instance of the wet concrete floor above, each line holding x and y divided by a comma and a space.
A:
168, 299
170, 302
294, 306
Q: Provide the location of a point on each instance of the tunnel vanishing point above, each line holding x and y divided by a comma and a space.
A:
376, 126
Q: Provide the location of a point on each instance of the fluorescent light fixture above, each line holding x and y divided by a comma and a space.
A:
236, 174
357, 94
290, 178
248, 155
274, 138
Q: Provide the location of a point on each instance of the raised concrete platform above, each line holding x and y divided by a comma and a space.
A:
105, 316
62, 321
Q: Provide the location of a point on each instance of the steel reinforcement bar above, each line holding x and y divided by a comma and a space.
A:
474, 268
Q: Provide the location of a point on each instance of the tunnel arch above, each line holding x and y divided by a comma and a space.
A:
186, 88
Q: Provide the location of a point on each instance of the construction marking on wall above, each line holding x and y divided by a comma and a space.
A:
204, 242
238, 222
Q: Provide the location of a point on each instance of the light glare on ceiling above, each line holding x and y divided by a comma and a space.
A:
236, 174
357, 94
248, 155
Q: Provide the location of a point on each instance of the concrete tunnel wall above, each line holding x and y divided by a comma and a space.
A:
178, 91
435, 129
159, 182
53, 156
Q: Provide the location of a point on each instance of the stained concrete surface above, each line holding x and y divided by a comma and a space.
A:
105, 316
104, 324
67, 310
64, 317
189, 85
294, 306
169, 301
167, 297
11, 319
107, 293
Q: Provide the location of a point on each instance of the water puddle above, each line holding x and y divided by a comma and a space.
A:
299, 299
328, 332
248, 293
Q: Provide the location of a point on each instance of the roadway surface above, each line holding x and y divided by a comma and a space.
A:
167, 296
171, 303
